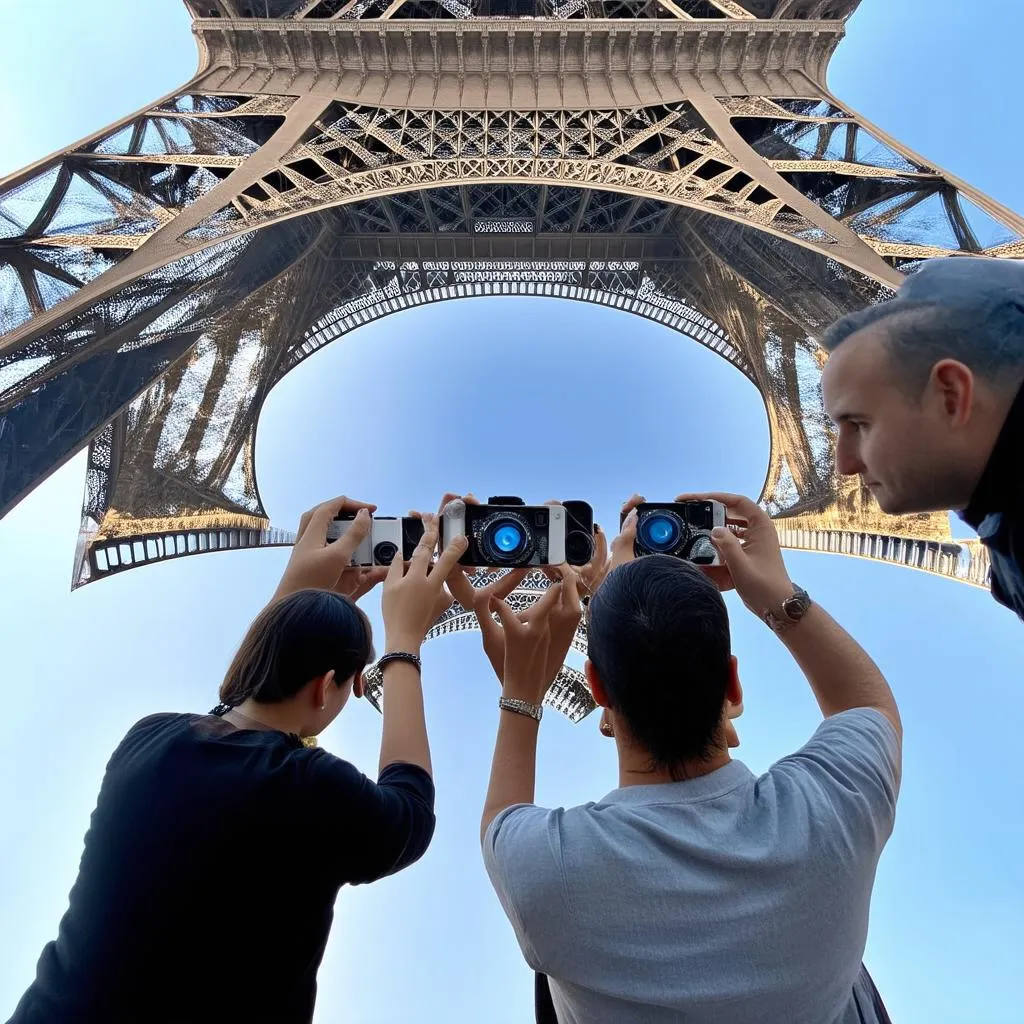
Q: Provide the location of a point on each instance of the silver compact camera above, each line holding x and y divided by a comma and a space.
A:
387, 537
506, 533
678, 528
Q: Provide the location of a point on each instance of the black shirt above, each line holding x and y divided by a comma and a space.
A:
996, 510
206, 889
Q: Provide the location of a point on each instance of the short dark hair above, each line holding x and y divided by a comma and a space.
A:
658, 637
989, 338
294, 640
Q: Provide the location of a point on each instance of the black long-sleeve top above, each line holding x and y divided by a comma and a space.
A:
212, 862
996, 510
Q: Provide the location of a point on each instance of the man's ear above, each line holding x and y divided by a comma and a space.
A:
358, 685
954, 383
597, 689
734, 690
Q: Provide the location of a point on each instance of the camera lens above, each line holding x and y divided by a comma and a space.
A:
384, 553
660, 532
579, 547
505, 541
508, 538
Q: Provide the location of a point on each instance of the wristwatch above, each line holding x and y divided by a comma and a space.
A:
521, 707
792, 610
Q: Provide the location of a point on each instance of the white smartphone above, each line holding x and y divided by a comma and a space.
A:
387, 537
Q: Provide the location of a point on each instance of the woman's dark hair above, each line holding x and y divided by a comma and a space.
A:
658, 636
294, 640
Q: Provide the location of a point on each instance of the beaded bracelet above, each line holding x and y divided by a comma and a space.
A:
412, 659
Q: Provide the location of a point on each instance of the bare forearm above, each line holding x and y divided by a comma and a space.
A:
841, 673
404, 736
514, 768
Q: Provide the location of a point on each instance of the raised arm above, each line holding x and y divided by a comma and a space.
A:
839, 670
407, 606
535, 645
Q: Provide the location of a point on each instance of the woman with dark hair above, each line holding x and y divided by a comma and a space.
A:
219, 842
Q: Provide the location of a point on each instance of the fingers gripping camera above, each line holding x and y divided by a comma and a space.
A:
386, 538
680, 528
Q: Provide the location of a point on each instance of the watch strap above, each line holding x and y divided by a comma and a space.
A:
405, 656
521, 707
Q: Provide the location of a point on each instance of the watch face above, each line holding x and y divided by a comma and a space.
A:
795, 606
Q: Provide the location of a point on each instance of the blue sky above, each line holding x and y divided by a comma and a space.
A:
548, 399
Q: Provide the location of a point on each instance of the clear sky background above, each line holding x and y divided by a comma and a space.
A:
547, 399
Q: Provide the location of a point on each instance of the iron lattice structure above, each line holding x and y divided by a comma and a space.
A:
334, 161
569, 693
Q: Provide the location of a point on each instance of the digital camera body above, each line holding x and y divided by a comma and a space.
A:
579, 532
388, 535
506, 533
678, 528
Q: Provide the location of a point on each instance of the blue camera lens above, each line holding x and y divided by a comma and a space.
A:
508, 538
659, 532
505, 540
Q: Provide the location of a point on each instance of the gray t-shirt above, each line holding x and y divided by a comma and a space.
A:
727, 899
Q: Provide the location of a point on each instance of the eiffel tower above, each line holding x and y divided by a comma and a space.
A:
334, 161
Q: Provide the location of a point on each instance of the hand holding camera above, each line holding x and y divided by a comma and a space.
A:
537, 640
585, 546
479, 601
317, 564
752, 557
592, 573
411, 595
624, 546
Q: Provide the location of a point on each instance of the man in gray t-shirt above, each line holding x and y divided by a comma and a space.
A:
696, 891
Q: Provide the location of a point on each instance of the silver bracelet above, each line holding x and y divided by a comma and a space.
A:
521, 707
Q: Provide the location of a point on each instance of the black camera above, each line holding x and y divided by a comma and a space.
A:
506, 533
386, 538
679, 528
579, 532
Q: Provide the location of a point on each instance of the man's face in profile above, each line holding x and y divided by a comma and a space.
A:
887, 435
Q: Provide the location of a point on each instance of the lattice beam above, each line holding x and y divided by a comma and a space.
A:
683, 162
313, 11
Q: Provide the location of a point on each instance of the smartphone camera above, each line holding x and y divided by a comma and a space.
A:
506, 533
384, 552
681, 529
387, 537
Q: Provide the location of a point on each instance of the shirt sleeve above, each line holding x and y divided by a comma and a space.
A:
851, 770
1008, 574
999, 594
523, 856
375, 828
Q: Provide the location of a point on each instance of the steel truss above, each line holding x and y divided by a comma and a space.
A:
334, 162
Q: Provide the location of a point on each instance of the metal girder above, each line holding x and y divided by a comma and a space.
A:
158, 278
